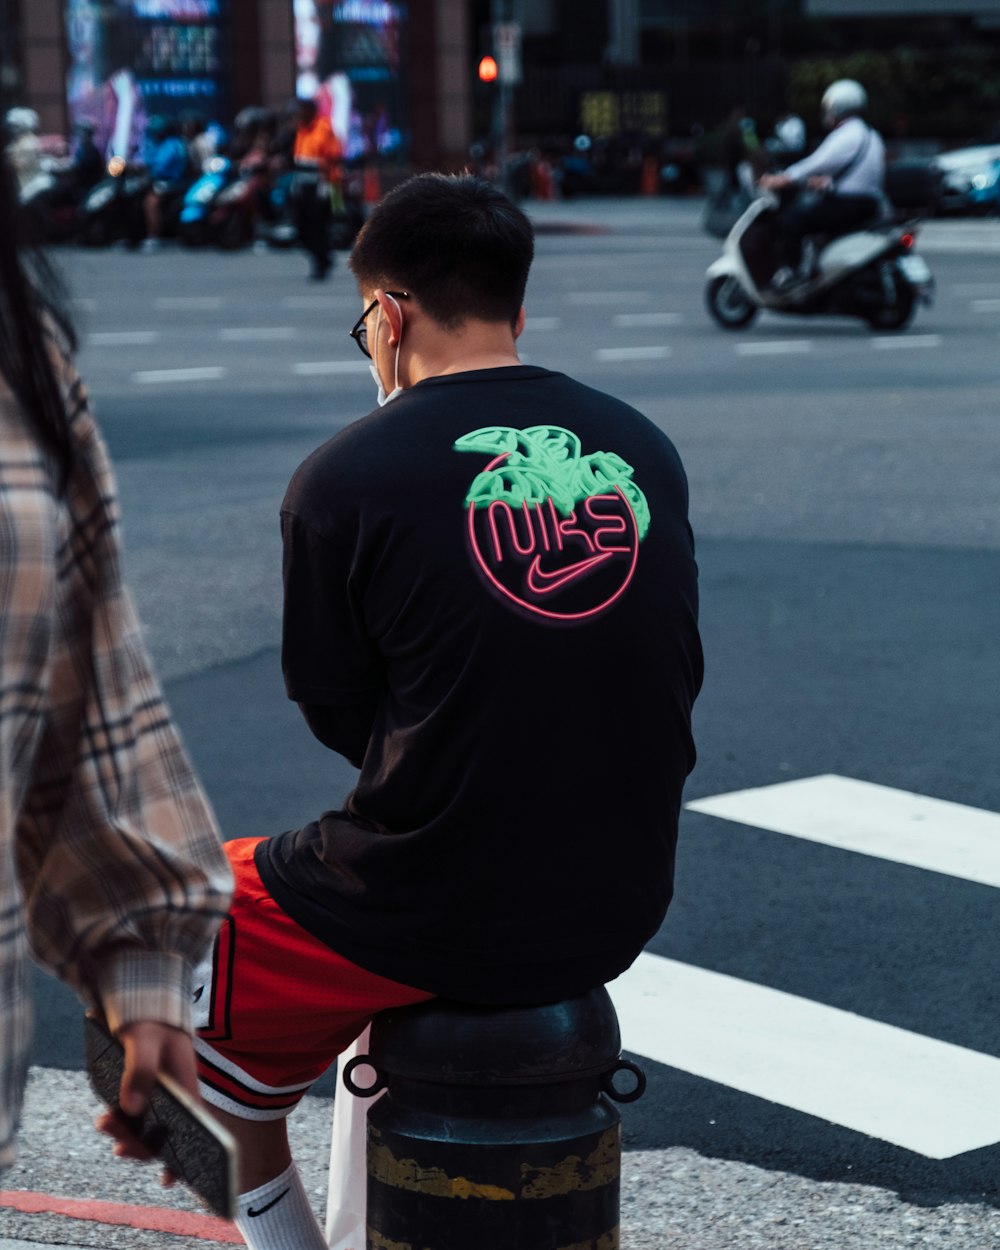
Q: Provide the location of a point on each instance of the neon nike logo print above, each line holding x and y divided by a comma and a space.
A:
267, 1205
542, 583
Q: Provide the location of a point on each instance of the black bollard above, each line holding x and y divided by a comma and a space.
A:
496, 1130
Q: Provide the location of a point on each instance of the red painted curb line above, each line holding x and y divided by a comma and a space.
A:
155, 1219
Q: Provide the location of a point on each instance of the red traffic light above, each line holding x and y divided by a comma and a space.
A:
488, 69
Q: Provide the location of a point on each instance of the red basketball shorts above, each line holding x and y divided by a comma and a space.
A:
274, 1006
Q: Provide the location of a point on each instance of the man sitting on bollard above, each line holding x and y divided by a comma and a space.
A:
491, 610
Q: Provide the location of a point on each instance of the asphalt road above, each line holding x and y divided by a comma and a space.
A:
845, 498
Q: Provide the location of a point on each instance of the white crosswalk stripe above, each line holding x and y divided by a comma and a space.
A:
872, 820
931, 1097
927, 1096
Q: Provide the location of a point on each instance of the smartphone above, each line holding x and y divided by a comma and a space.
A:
183, 1135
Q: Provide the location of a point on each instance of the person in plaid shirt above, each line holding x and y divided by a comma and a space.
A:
111, 871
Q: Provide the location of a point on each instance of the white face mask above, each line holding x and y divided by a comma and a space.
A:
383, 398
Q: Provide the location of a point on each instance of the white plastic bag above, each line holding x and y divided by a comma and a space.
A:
346, 1205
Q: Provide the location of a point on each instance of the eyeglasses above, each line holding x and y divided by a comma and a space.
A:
359, 331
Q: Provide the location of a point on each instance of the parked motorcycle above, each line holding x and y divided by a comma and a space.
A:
193, 228
873, 274
50, 206
237, 209
113, 210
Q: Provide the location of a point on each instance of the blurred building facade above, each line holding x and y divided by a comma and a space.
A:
410, 59
986, 10
400, 75
649, 66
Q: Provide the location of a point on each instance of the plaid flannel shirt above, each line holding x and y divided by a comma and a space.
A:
111, 870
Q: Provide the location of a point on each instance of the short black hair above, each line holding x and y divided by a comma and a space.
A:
454, 241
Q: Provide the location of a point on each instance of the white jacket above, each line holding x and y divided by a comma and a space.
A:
838, 151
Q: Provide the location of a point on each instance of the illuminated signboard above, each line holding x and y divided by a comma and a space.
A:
604, 114
350, 59
133, 58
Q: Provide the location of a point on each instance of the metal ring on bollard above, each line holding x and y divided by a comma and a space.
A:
630, 1095
360, 1091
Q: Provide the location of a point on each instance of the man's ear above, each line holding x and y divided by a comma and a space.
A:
519, 323
392, 313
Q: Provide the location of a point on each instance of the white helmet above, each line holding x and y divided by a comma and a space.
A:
843, 97
21, 121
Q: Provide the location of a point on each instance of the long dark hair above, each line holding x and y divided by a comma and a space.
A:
31, 310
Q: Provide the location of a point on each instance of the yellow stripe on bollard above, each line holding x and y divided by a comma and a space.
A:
575, 1175
408, 1174
610, 1241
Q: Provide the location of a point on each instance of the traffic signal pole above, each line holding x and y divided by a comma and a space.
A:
507, 50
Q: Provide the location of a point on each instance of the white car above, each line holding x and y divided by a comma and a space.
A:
963, 172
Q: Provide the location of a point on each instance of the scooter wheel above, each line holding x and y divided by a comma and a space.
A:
95, 234
897, 315
193, 233
233, 234
728, 303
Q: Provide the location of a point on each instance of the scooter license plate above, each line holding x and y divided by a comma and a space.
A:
915, 269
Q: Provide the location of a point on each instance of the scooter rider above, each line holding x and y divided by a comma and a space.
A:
847, 171
23, 148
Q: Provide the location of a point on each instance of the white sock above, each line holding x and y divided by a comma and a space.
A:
277, 1216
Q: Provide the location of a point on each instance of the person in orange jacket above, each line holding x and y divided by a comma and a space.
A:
318, 154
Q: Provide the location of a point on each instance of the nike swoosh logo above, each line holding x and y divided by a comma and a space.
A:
267, 1205
542, 583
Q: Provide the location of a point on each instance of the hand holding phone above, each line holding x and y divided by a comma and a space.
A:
192, 1145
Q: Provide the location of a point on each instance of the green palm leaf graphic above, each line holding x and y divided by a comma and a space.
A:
545, 462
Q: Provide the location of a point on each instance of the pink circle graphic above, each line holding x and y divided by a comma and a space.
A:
535, 556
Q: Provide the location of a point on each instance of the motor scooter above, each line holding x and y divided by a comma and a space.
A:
113, 210
50, 206
871, 273
236, 210
202, 194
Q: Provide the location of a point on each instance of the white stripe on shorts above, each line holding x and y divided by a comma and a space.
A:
240, 1109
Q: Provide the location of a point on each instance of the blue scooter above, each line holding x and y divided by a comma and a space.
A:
193, 227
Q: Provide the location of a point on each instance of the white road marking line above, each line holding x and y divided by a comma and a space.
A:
644, 321
779, 347
317, 368
943, 245
189, 303
986, 305
632, 353
927, 1096
872, 820
122, 338
312, 302
542, 323
606, 297
258, 334
911, 340
207, 373
84, 305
